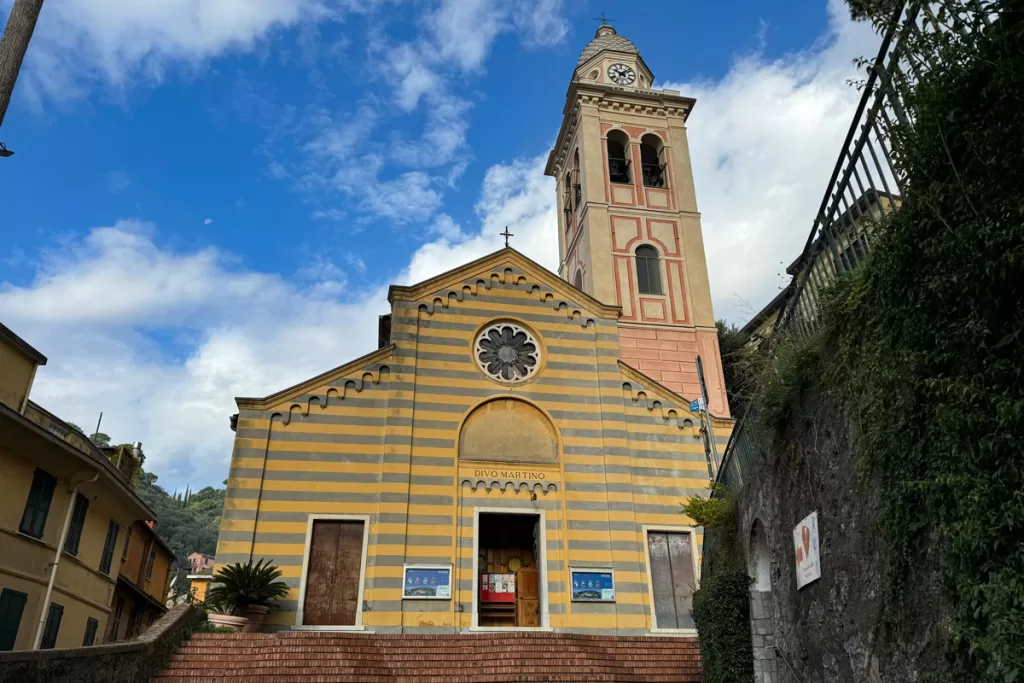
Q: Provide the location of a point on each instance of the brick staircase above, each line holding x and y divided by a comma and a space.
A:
338, 657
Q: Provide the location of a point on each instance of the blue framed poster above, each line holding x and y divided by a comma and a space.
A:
592, 585
427, 582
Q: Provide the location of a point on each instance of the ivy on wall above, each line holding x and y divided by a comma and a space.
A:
721, 609
926, 340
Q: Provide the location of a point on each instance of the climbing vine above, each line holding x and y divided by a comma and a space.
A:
721, 609
925, 339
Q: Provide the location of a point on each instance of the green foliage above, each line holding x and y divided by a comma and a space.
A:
929, 338
712, 511
100, 439
792, 366
721, 609
740, 363
189, 528
207, 627
239, 585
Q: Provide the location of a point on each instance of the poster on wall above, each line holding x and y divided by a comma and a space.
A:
427, 582
808, 552
593, 585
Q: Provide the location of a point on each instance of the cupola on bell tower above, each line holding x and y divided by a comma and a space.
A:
628, 228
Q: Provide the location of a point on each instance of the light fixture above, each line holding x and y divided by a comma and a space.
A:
4, 152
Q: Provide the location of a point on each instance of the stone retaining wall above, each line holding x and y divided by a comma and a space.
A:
134, 661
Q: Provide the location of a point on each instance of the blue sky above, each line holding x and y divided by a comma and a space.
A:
209, 198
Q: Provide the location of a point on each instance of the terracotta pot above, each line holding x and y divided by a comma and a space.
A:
228, 621
255, 615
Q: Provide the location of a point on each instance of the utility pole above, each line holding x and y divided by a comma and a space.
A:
13, 45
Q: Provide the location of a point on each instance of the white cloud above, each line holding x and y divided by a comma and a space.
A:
465, 29
97, 306
208, 221
763, 141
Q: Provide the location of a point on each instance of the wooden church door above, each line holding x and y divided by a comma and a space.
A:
332, 575
672, 578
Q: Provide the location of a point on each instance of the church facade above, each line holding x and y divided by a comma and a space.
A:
515, 452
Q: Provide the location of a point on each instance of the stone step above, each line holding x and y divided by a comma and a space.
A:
344, 657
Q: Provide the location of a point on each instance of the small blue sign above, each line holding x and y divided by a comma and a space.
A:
696, 405
593, 585
430, 583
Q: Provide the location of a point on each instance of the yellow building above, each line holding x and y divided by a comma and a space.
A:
142, 583
507, 458
64, 509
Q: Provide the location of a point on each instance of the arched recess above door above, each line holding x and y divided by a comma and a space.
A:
508, 430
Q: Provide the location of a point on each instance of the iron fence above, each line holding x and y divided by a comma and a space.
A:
866, 184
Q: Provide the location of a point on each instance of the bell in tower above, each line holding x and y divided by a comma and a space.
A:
628, 229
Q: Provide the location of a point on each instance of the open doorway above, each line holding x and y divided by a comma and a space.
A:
508, 575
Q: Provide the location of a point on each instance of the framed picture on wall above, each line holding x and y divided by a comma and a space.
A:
592, 584
427, 582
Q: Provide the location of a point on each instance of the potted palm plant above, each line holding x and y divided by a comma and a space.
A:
246, 590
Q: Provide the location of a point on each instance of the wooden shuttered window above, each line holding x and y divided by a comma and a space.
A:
12, 606
113, 529
77, 524
37, 508
90, 632
53, 617
127, 543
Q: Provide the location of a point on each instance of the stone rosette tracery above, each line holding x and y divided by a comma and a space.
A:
507, 353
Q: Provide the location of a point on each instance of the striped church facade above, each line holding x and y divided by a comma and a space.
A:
393, 441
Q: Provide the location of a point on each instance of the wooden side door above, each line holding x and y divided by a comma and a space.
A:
527, 598
672, 579
332, 573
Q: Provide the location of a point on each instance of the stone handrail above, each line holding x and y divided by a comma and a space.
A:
133, 661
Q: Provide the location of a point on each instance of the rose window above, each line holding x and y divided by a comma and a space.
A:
507, 352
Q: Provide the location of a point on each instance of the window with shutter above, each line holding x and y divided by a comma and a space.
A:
12, 605
37, 508
149, 565
113, 528
77, 524
127, 543
90, 632
53, 618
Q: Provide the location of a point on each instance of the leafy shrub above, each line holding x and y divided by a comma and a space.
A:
721, 609
713, 511
207, 627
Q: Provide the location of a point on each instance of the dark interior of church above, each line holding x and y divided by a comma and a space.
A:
508, 576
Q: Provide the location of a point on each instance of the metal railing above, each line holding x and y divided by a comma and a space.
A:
866, 184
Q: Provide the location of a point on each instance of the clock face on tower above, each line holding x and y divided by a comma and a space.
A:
621, 74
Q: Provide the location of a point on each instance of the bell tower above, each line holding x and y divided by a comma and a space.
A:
628, 228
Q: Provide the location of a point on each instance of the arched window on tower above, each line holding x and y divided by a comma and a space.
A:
618, 162
650, 161
577, 187
648, 271
578, 280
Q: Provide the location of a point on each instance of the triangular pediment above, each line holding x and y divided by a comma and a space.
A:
504, 267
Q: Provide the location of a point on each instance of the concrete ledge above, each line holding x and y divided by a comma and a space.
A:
133, 661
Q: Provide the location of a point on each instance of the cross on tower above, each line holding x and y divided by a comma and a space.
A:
506, 235
603, 19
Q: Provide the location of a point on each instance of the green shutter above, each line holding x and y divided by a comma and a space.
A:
108, 546
77, 524
53, 618
90, 632
127, 543
37, 508
12, 605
